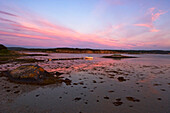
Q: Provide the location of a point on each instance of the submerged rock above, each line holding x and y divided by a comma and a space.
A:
31, 74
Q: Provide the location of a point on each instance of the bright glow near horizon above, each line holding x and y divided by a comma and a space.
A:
102, 24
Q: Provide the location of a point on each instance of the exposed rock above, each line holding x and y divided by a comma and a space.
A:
117, 103
106, 97
16, 91
31, 74
159, 98
75, 84
118, 99
2, 47
77, 99
81, 83
29, 71
58, 74
132, 99
117, 56
67, 81
110, 91
157, 84
163, 90
121, 79
94, 81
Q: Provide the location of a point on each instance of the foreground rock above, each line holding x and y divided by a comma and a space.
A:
32, 74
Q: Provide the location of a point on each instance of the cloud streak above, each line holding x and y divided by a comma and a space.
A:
151, 16
7, 13
42, 29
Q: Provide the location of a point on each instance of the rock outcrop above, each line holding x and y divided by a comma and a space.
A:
117, 56
2, 47
31, 74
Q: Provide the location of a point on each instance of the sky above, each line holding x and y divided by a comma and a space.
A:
96, 24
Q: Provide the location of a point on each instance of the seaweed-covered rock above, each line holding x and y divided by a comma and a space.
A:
31, 74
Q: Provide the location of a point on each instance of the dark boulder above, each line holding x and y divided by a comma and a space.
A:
2, 47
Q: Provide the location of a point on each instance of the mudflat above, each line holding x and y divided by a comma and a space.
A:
100, 85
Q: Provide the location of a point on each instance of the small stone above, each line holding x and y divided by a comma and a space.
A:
159, 98
121, 79
132, 99
117, 103
16, 91
106, 97
118, 99
77, 99
110, 91
8, 90
94, 81
67, 81
74, 83
58, 74
157, 84
163, 90
15, 87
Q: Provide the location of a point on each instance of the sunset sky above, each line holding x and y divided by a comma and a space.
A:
101, 24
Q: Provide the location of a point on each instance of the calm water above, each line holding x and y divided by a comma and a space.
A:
96, 87
143, 58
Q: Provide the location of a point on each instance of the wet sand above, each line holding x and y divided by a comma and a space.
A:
98, 86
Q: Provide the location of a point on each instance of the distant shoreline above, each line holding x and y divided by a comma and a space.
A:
89, 51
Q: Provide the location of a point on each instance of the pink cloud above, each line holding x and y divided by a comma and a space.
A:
154, 30
144, 25
155, 16
152, 17
7, 13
